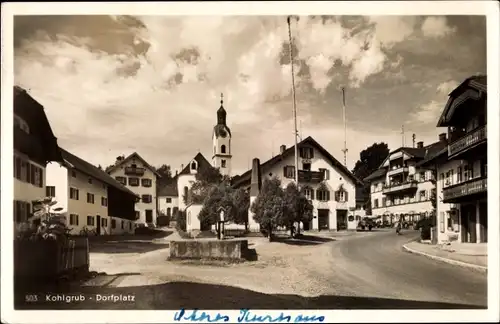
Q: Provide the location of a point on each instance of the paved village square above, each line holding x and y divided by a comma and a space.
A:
195, 197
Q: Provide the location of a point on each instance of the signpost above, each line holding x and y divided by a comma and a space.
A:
220, 227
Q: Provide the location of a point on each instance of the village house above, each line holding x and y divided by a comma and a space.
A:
329, 185
140, 177
168, 198
462, 210
400, 189
91, 199
34, 146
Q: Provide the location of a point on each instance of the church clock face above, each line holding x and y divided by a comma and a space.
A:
223, 133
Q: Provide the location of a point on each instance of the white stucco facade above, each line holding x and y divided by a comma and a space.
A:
184, 183
192, 220
166, 204
387, 196
334, 178
142, 184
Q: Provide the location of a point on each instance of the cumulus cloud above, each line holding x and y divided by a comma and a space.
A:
435, 26
447, 86
153, 83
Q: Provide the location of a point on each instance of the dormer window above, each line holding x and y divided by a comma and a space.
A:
306, 152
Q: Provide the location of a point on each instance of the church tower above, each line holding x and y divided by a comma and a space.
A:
221, 138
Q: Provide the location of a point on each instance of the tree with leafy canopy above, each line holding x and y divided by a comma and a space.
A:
165, 172
369, 160
206, 180
218, 196
270, 207
298, 207
241, 202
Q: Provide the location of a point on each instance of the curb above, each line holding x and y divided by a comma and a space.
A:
450, 261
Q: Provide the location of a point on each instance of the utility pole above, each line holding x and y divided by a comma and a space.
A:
403, 135
294, 103
345, 127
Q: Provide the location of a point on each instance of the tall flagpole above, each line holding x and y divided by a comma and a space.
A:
345, 127
294, 104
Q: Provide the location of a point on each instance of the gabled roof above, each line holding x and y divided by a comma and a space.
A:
432, 156
418, 153
476, 82
379, 173
137, 156
202, 164
93, 171
26, 107
238, 180
168, 189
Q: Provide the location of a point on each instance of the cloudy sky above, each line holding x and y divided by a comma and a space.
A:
113, 85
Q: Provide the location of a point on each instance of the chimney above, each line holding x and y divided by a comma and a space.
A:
420, 144
282, 149
442, 137
256, 180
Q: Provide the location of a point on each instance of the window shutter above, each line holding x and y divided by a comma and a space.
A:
337, 196
40, 178
346, 196
312, 194
327, 195
284, 172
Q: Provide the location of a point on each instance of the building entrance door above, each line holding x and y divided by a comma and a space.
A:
149, 216
341, 219
323, 219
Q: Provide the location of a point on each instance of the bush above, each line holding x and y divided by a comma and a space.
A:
181, 221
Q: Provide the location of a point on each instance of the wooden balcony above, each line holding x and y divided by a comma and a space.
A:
399, 187
311, 176
465, 190
467, 142
135, 171
397, 171
27, 144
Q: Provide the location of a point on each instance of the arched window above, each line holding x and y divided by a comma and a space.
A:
193, 165
223, 148
186, 190
169, 211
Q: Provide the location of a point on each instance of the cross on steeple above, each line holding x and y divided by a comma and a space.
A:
221, 99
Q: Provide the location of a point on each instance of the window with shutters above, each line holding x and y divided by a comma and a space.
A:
375, 203
104, 222
326, 173
22, 211
104, 201
146, 182
90, 198
50, 191
459, 174
90, 220
309, 193
122, 180
113, 223
306, 152
74, 194
384, 201
422, 195
133, 181
341, 195
289, 171
147, 199
73, 219
322, 195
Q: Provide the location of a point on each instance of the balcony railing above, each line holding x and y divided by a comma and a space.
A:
465, 189
475, 137
134, 171
397, 171
311, 176
397, 187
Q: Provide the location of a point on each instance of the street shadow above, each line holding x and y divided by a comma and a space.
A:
177, 295
302, 240
126, 247
251, 255
150, 235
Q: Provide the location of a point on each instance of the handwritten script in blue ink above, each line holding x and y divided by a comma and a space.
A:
245, 317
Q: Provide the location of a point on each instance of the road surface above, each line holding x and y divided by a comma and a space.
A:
366, 271
376, 266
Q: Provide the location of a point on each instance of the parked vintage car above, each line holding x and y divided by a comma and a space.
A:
366, 223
